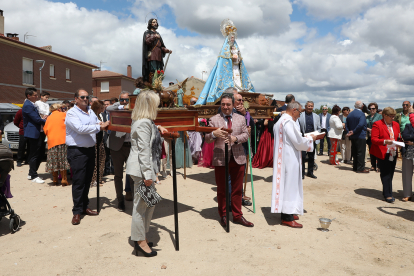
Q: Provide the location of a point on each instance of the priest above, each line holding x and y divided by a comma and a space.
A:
287, 192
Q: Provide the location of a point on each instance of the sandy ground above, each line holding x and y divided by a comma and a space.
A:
368, 237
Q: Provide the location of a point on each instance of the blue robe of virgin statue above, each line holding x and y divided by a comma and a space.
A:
221, 77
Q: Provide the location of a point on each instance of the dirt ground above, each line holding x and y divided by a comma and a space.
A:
368, 237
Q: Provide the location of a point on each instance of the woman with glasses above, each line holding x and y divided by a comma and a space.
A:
384, 133
371, 119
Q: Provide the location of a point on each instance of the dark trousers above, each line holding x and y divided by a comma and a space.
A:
82, 163
310, 159
322, 141
37, 151
21, 153
387, 169
372, 157
236, 175
109, 165
119, 157
287, 217
358, 149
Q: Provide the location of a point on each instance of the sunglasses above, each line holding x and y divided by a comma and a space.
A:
124, 100
405, 105
84, 97
373, 108
241, 100
391, 116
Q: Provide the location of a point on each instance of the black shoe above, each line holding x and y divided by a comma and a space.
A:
19, 164
311, 176
121, 206
138, 248
303, 176
246, 202
320, 154
390, 200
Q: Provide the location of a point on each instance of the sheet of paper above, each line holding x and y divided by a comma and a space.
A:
401, 144
316, 133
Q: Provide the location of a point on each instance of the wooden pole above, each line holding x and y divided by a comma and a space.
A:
185, 154
174, 175
226, 182
97, 178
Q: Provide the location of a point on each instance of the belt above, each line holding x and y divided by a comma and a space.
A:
128, 144
76, 147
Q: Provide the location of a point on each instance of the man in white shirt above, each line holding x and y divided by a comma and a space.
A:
81, 128
325, 127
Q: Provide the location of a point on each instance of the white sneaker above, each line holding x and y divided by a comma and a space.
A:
38, 180
29, 177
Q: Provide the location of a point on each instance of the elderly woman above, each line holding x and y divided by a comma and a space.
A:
371, 119
140, 166
55, 130
384, 133
335, 134
98, 107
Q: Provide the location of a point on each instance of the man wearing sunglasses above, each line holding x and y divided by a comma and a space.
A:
81, 128
120, 145
404, 117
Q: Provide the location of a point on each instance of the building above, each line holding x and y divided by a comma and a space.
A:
19, 69
107, 84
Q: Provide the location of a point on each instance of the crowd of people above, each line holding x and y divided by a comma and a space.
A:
77, 135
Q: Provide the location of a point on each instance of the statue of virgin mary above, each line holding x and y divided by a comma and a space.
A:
229, 70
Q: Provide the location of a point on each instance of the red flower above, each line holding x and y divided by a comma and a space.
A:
158, 72
162, 71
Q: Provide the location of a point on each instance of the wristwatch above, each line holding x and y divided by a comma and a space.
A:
237, 141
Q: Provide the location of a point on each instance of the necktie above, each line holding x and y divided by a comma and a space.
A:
229, 124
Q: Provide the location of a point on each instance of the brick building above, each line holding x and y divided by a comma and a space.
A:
107, 84
61, 75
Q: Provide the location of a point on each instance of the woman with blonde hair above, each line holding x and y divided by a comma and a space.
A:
141, 168
55, 130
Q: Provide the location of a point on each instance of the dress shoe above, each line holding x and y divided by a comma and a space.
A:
295, 217
139, 249
89, 212
246, 202
406, 199
311, 176
76, 219
128, 196
390, 200
19, 164
243, 222
364, 171
121, 206
223, 221
320, 154
292, 224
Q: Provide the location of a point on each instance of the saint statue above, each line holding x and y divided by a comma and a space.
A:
229, 70
153, 51
180, 94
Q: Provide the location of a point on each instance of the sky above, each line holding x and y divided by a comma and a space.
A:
330, 52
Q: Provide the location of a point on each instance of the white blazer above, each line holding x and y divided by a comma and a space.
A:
336, 127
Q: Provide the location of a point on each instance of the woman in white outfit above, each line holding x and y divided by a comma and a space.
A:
345, 141
335, 134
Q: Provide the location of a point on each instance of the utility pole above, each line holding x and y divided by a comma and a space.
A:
100, 65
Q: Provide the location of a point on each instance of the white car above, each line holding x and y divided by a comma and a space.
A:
11, 137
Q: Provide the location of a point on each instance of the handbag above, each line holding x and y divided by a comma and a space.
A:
148, 194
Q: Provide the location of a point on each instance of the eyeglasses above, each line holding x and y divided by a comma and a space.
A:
324, 109
124, 100
391, 116
372, 108
84, 97
405, 105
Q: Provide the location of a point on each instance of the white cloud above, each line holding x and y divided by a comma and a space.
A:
288, 58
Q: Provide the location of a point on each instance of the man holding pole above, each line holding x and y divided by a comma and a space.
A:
287, 192
227, 118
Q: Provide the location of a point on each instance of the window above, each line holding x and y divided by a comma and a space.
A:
27, 71
52, 70
105, 86
67, 74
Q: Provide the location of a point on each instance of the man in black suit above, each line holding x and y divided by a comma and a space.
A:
288, 99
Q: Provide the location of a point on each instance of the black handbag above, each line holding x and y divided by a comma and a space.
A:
148, 194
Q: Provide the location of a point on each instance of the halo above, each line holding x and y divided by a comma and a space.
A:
227, 27
152, 13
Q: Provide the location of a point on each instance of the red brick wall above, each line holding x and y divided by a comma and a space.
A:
11, 67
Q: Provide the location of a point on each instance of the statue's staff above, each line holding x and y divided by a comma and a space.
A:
165, 66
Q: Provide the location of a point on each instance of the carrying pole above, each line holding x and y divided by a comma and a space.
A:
174, 175
97, 178
226, 181
251, 176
